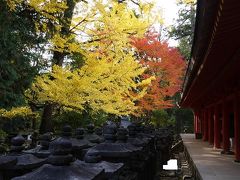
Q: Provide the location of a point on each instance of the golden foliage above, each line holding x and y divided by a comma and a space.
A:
96, 20
99, 85
18, 112
187, 1
109, 80
13, 3
45, 7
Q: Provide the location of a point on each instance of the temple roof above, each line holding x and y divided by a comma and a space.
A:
214, 69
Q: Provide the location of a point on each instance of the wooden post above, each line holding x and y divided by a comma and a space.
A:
194, 122
202, 123
198, 134
205, 138
217, 129
225, 128
237, 128
210, 126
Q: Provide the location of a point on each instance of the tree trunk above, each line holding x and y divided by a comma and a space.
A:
58, 57
46, 123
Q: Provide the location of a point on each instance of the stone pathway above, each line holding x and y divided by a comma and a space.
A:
210, 163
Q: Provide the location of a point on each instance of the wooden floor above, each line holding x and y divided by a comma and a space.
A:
210, 163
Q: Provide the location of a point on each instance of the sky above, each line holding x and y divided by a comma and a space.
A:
169, 11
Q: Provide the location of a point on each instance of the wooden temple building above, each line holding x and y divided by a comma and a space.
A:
212, 82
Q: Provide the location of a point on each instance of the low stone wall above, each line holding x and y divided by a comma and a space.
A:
195, 173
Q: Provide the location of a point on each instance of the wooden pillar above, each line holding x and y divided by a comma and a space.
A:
210, 126
209, 123
237, 128
198, 134
205, 137
202, 123
217, 129
225, 128
194, 122
198, 123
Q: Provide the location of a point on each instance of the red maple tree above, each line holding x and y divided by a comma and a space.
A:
163, 62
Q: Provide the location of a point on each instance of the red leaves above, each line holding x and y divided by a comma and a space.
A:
166, 64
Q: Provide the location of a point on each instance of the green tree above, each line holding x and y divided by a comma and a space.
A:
183, 28
184, 120
183, 31
161, 118
19, 55
61, 21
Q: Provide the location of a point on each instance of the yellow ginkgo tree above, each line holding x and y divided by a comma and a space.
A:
99, 86
100, 31
108, 81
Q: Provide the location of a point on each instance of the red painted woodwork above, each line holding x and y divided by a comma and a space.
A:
205, 137
197, 125
202, 122
210, 127
212, 80
225, 128
214, 72
195, 122
237, 128
217, 129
